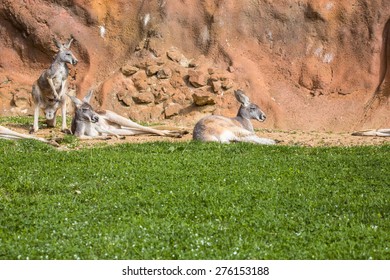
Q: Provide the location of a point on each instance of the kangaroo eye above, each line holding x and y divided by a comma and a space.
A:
85, 110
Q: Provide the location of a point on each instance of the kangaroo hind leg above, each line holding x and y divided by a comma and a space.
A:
129, 124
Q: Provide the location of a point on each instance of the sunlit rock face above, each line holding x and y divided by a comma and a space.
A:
311, 65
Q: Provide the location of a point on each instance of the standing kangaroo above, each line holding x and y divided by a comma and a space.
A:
49, 90
88, 124
239, 129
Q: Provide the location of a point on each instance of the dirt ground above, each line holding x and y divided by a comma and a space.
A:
285, 137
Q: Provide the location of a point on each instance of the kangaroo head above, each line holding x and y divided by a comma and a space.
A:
247, 109
84, 111
51, 108
64, 53
50, 112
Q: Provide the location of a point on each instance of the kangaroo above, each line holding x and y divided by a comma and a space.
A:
384, 132
9, 134
49, 90
89, 124
221, 129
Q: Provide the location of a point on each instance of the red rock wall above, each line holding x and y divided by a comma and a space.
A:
314, 65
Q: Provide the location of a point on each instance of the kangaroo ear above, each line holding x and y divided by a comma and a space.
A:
89, 96
242, 98
69, 42
77, 102
57, 43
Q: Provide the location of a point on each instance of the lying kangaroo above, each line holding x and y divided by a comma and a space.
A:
384, 132
88, 124
9, 134
239, 129
49, 90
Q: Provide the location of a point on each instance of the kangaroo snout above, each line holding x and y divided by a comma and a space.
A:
49, 115
95, 119
74, 61
261, 117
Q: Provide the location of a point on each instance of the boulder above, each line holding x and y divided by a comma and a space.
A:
152, 70
156, 112
197, 78
143, 97
201, 98
175, 55
172, 109
177, 80
129, 70
125, 98
216, 86
140, 80
164, 73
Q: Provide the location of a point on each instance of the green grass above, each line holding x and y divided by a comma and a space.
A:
194, 201
18, 121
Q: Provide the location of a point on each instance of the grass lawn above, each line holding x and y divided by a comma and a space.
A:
194, 201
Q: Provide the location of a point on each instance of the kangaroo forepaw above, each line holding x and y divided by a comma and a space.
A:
66, 131
33, 130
